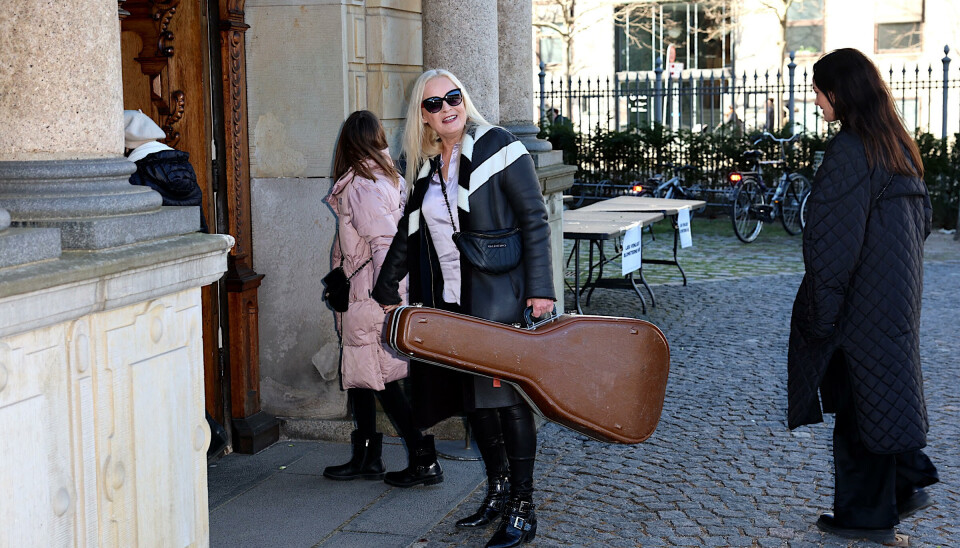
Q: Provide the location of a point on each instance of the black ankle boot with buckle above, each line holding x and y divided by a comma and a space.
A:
517, 526
492, 505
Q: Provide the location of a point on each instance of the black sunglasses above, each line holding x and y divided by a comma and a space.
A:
434, 104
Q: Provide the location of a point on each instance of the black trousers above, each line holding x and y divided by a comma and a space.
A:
868, 486
394, 403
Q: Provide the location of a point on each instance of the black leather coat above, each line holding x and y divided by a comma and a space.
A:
499, 189
860, 295
499, 183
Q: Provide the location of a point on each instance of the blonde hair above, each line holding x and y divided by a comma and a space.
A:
420, 141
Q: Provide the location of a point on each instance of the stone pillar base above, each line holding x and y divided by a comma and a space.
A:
23, 245
91, 201
98, 233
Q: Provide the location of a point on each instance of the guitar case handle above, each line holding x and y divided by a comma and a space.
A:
528, 318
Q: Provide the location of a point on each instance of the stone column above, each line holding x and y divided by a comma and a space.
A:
461, 36
515, 25
61, 162
514, 22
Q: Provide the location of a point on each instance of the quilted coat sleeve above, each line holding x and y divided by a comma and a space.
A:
386, 291
838, 207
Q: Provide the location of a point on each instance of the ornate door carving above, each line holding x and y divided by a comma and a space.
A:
165, 58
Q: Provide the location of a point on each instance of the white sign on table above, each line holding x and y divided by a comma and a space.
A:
683, 225
630, 258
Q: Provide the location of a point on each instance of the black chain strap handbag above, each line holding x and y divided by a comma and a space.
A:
337, 284
490, 252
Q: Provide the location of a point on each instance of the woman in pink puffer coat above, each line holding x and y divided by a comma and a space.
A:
368, 200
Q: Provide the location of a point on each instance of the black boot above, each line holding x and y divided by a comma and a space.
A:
365, 463
518, 525
422, 470
492, 505
485, 424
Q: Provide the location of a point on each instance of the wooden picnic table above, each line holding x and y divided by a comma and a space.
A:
597, 227
668, 207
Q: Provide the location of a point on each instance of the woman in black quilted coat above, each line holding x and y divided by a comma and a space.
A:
854, 334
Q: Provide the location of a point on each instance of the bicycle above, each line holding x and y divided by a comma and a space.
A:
658, 186
753, 203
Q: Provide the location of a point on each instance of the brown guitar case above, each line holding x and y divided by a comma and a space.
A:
604, 377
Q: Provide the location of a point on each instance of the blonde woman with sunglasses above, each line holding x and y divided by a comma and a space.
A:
472, 177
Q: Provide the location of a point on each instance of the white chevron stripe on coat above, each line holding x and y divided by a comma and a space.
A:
413, 222
500, 160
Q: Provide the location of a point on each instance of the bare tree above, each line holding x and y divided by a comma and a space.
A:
565, 20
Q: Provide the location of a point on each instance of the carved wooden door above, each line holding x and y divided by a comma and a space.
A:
165, 60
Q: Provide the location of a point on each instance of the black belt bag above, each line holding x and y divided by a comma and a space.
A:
491, 252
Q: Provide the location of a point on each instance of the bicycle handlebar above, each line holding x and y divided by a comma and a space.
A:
772, 137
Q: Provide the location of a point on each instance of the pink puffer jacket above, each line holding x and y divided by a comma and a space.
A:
368, 213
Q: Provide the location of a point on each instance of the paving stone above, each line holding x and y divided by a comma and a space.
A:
722, 469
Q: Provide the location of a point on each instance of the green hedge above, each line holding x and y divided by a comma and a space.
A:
636, 153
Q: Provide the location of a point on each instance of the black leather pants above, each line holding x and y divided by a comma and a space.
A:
513, 429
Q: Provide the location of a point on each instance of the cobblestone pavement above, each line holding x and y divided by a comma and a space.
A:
722, 469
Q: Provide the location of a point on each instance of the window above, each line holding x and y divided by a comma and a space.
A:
698, 32
805, 26
899, 25
805, 38
898, 36
551, 50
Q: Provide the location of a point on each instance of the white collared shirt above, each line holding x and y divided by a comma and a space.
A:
435, 213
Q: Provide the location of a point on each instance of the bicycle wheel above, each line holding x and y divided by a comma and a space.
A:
803, 211
797, 188
746, 223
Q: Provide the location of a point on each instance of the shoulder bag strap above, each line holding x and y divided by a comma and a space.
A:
443, 189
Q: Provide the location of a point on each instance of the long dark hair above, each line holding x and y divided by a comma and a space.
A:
362, 138
863, 103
